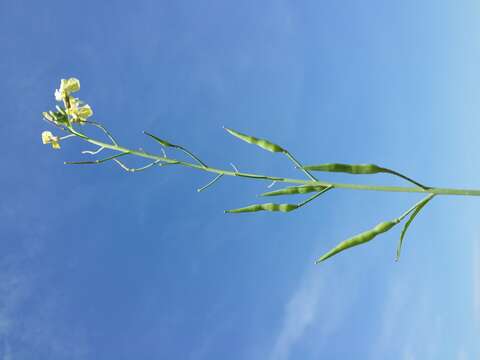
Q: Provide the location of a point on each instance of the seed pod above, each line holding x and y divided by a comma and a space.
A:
347, 168
359, 169
407, 224
161, 141
264, 207
168, 144
305, 189
359, 239
264, 144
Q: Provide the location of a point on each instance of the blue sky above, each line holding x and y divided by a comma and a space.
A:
100, 264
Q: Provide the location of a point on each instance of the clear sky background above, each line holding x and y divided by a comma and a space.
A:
97, 263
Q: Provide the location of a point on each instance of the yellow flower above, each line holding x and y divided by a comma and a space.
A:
77, 112
67, 87
49, 138
85, 111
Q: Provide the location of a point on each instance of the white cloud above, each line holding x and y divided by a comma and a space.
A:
299, 314
408, 325
315, 311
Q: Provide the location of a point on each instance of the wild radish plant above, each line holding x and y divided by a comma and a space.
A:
73, 114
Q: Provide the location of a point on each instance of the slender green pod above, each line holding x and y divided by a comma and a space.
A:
347, 168
359, 239
279, 207
264, 207
418, 208
161, 141
264, 144
168, 144
293, 190
379, 229
269, 146
359, 169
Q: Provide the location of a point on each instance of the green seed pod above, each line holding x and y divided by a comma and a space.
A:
292, 190
359, 169
359, 239
409, 222
264, 207
168, 144
161, 141
264, 144
347, 168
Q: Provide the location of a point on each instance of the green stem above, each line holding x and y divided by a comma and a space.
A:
313, 197
163, 159
299, 166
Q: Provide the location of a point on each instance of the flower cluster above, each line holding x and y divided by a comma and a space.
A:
73, 111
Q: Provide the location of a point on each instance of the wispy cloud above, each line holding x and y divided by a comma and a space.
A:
299, 314
408, 326
317, 309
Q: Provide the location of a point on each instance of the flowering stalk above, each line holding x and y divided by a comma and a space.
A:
74, 112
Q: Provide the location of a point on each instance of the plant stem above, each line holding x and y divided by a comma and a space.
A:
163, 159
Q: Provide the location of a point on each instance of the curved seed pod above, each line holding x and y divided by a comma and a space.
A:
305, 189
161, 141
407, 224
264, 207
359, 169
264, 144
359, 239
168, 144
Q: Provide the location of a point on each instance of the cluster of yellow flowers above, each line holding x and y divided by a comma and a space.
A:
75, 110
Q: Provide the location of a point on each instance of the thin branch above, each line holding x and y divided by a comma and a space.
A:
300, 167
101, 127
101, 148
271, 184
234, 167
128, 169
315, 196
95, 162
191, 155
210, 183
66, 137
